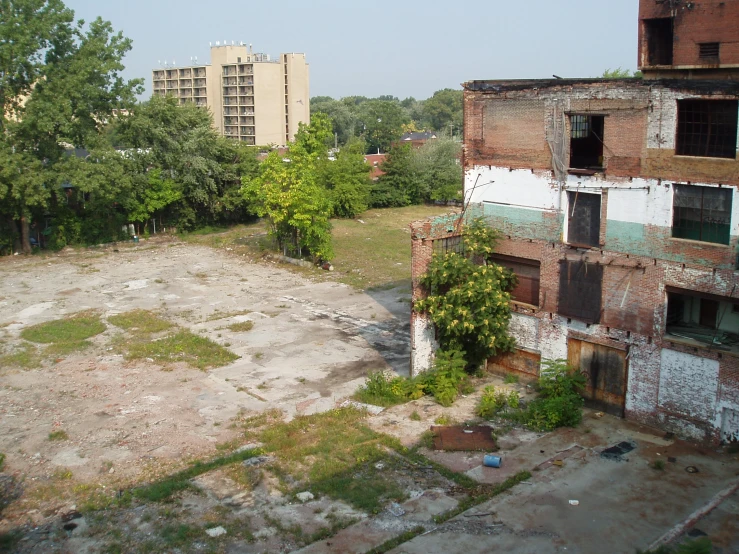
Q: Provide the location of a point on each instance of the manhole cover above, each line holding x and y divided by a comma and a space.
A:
459, 437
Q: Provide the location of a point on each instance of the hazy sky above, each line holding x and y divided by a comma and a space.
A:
403, 48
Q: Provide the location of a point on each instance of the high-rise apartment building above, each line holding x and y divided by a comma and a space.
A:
252, 97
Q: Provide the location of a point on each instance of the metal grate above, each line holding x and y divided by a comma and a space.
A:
707, 128
708, 50
580, 126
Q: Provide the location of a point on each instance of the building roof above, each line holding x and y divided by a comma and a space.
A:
419, 135
706, 86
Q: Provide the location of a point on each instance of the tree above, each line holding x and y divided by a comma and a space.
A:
437, 165
59, 84
347, 180
620, 73
443, 110
400, 184
381, 123
316, 137
342, 115
287, 191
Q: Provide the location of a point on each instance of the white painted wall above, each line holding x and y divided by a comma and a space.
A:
525, 329
688, 385
519, 187
424, 345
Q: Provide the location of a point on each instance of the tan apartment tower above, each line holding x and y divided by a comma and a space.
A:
252, 97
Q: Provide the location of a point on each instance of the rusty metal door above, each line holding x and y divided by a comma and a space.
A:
606, 371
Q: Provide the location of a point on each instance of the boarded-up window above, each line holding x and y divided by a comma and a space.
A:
449, 244
583, 221
580, 288
528, 273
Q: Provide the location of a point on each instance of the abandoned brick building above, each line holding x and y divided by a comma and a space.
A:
618, 204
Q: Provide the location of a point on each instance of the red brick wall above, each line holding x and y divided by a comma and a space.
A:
695, 22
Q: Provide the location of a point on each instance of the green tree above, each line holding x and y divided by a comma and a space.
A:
342, 115
316, 137
443, 111
347, 180
158, 193
59, 84
381, 123
437, 165
400, 185
620, 73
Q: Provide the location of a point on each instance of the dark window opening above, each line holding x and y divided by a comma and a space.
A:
586, 141
449, 244
707, 128
583, 221
705, 318
528, 275
659, 36
708, 51
702, 213
580, 290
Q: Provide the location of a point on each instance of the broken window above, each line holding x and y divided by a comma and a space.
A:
583, 221
707, 128
705, 318
580, 290
708, 51
449, 244
586, 141
528, 274
702, 213
659, 39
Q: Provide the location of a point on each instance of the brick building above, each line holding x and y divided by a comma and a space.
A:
619, 208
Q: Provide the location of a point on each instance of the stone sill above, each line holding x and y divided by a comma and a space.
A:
700, 243
698, 345
705, 158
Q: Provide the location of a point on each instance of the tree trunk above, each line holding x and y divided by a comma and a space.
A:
25, 235
15, 236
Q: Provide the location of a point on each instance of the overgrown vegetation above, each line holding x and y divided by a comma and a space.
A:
445, 381
559, 403
24, 355
66, 335
140, 322
469, 303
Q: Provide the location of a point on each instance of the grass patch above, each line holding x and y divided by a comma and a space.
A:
510, 379
336, 452
24, 356
76, 328
183, 346
415, 416
241, 327
179, 534
164, 489
2, 460
58, 435
215, 316
57, 349
658, 465
140, 322
388, 545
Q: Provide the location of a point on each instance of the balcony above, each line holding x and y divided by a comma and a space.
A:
201, 92
185, 73
186, 83
246, 81
200, 72
200, 82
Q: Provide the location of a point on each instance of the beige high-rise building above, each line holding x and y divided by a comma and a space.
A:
252, 97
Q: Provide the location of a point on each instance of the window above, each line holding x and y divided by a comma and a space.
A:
580, 288
706, 128
528, 273
583, 221
702, 213
708, 51
450, 244
586, 141
705, 318
659, 39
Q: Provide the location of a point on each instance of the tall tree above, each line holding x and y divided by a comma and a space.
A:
443, 111
347, 180
437, 165
59, 84
400, 184
381, 123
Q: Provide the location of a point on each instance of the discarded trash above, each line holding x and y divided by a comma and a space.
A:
558, 463
691, 469
469, 431
70, 526
396, 509
574, 502
215, 531
598, 414
490, 460
304, 496
672, 459
327, 266
616, 452
379, 465
257, 460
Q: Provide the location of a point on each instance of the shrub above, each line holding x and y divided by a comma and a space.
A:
493, 401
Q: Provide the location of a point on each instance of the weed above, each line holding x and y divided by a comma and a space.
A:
444, 419
2, 460
415, 416
164, 489
183, 346
510, 379
493, 401
215, 316
24, 356
140, 322
389, 545
71, 329
63, 474
241, 327
58, 435
659, 465
258, 355
179, 534
58, 349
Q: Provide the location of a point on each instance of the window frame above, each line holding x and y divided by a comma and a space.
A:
507, 262
572, 205
685, 232
698, 123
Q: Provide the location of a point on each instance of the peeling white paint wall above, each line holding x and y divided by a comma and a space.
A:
688, 385
525, 329
424, 345
521, 188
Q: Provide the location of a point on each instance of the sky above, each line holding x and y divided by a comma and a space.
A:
400, 48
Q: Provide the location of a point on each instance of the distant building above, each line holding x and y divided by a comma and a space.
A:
375, 161
618, 206
417, 138
252, 97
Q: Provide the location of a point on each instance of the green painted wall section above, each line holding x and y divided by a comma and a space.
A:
525, 223
637, 239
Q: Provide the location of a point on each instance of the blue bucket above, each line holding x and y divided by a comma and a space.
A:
491, 461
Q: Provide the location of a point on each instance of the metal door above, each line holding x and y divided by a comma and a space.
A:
606, 371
